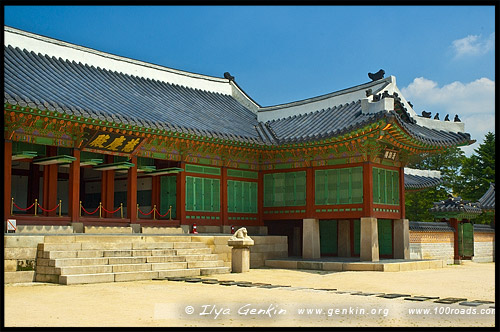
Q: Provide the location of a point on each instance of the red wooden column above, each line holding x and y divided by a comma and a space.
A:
108, 188
50, 184
181, 194
132, 191
223, 190
155, 191
402, 192
454, 223
310, 192
367, 189
7, 178
74, 188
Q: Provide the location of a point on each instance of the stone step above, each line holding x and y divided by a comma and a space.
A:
107, 245
201, 257
90, 278
60, 262
127, 260
152, 245
169, 266
130, 276
117, 253
214, 270
197, 251
179, 273
131, 267
200, 264
58, 254
189, 245
86, 278
165, 259
59, 246
89, 269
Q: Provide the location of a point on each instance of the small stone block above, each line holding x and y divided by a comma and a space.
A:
470, 304
210, 281
450, 300
176, 278
327, 289
393, 296
193, 280
421, 298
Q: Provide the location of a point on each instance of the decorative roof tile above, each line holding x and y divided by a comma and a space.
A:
484, 228
421, 226
455, 204
113, 89
487, 201
105, 94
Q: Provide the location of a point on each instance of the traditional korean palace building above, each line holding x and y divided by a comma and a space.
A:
89, 133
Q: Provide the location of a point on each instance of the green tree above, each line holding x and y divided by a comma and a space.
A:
478, 171
449, 163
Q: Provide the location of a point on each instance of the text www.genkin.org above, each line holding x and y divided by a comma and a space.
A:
213, 311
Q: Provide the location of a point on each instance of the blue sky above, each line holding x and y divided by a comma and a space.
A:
442, 56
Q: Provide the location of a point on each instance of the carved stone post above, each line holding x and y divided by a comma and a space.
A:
241, 242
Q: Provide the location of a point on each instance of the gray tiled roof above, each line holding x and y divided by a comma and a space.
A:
344, 118
483, 228
456, 204
420, 182
421, 226
44, 82
488, 199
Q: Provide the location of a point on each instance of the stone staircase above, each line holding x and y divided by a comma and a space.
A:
110, 260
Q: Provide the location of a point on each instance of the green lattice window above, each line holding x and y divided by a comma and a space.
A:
241, 196
242, 174
203, 169
285, 189
339, 186
202, 194
385, 186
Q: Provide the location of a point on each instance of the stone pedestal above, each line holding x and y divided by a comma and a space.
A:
344, 238
402, 239
369, 240
310, 239
77, 227
240, 252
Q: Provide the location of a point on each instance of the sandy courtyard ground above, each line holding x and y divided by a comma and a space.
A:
170, 303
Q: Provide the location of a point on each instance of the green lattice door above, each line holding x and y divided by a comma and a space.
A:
465, 239
328, 237
356, 236
385, 236
168, 195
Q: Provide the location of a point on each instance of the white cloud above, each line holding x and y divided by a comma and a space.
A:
474, 102
473, 45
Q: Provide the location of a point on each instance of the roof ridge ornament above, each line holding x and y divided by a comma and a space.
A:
377, 76
228, 76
